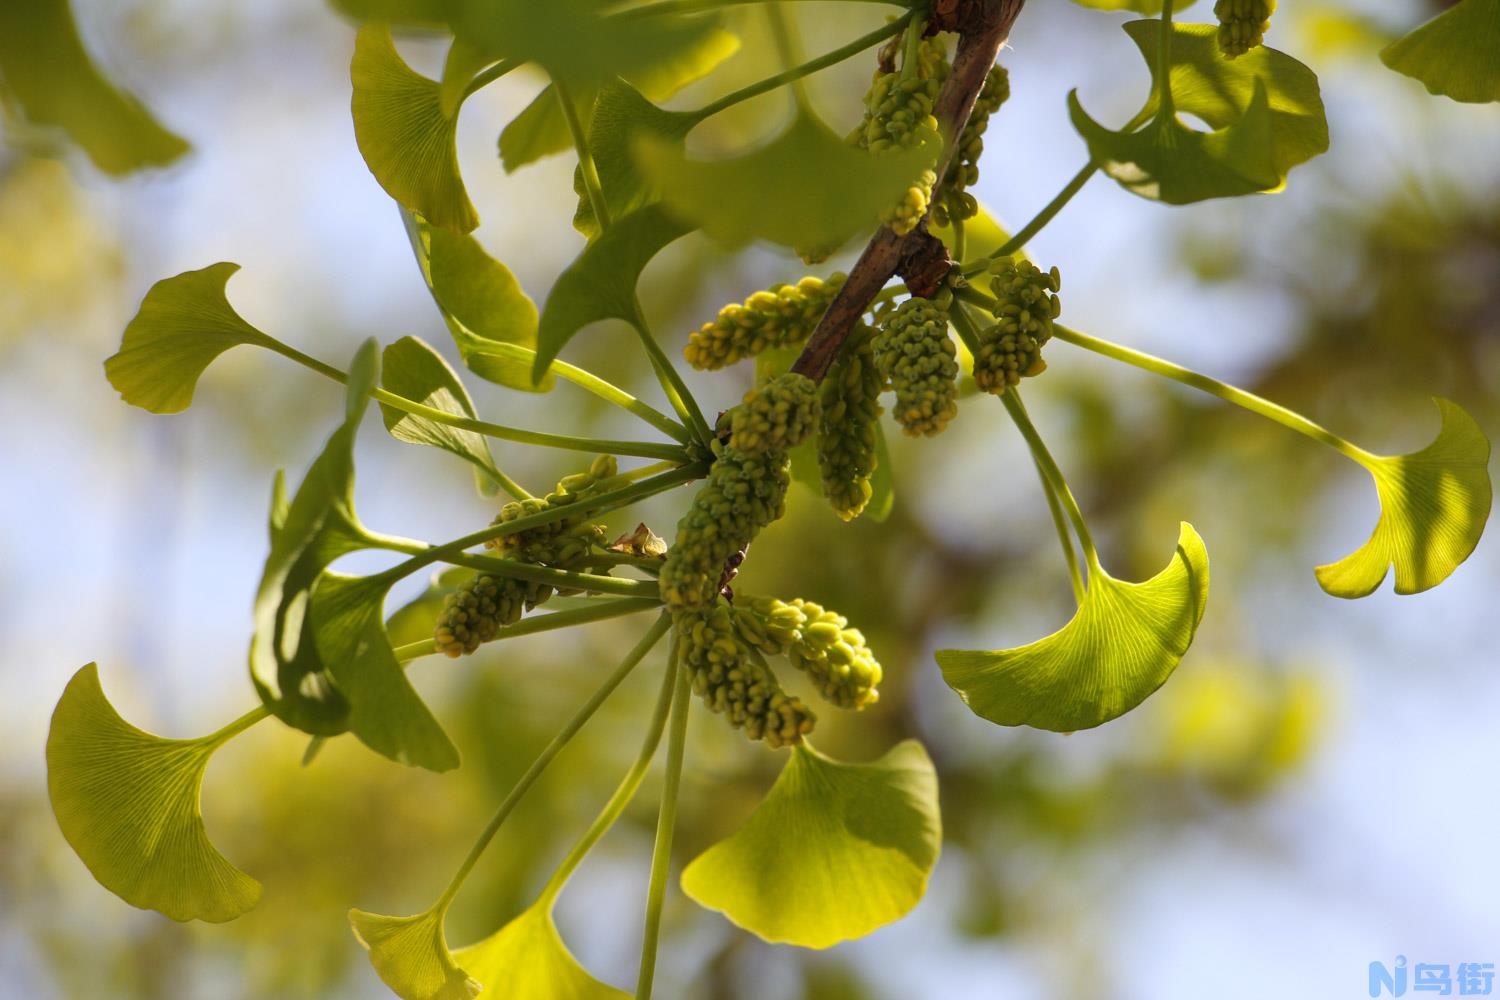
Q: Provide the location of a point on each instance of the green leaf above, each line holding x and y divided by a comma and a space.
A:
1455, 53
882, 481
411, 957
1433, 507
527, 960
1265, 108
622, 117
600, 283
462, 64
805, 188
184, 323
539, 130
406, 139
834, 852
127, 802
346, 616
319, 526
48, 79
1122, 644
412, 369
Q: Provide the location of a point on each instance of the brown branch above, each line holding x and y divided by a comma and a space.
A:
983, 27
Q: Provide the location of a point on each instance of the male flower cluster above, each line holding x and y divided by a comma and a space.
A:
782, 316
735, 682
819, 642
1243, 24
850, 408
1026, 303
914, 352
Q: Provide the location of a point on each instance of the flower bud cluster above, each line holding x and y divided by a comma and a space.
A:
475, 612
1243, 24
775, 416
734, 681
819, 642
954, 200
850, 405
1026, 304
566, 542
898, 116
914, 352
782, 316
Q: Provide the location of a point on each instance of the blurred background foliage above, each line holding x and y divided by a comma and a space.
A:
1307, 794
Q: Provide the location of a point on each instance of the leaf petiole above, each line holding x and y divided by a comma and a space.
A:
586, 165
666, 820
670, 379
1048, 465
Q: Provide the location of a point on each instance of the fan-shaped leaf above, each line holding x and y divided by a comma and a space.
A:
834, 851
184, 323
1455, 53
320, 525
412, 369
127, 802
346, 615
527, 960
622, 117
1122, 644
1433, 507
47, 76
411, 957
600, 283
406, 139
807, 187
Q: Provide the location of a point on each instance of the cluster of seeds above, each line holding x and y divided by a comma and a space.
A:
953, 199
1026, 304
735, 682
776, 416
474, 613
850, 409
782, 316
743, 494
1243, 24
913, 351
818, 642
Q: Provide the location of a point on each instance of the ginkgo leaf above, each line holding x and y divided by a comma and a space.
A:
1433, 507
184, 323
320, 525
47, 77
1454, 54
128, 803
346, 619
834, 852
600, 283
540, 130
411, 957
1122, 644
807, 187
480, 301
622, 117
412, 369
407, 141
527, 960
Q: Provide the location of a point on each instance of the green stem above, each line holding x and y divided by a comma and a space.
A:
221, 736
560, 578
822, 62
909, 54
585, 157
1037, 224
671, 381
490, 75
415, 650
611, 393
1166, 106
960, 238
568, 731
789, 48
1059, 521
1214, 387
1044, 460
666, 820
622, 796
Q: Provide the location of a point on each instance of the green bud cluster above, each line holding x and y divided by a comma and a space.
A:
954, 200
735, 682
850, 405
781, 316
898, 116
819, 642
913, 351
565, 543
743, 494
475, 612
1026, 304
1242, 24
775, 416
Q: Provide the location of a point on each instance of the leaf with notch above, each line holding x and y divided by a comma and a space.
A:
622, 117
1455, 53
412, 369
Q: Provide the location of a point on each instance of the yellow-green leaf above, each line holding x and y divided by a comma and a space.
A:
807, 187
411, 957
1456, 54
1433, 507
1122, 644
406, 139
128, 803
412, 369
184, 323
527, 960
834, 852
48, 79
623, 116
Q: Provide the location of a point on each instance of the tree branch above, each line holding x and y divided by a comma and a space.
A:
983, 27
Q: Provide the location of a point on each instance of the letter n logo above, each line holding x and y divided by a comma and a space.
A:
1383, 979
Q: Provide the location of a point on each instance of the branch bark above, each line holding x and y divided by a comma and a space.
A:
983, 27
